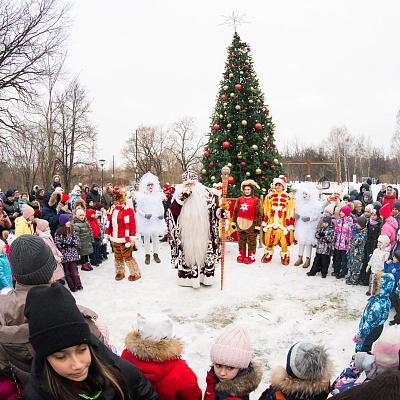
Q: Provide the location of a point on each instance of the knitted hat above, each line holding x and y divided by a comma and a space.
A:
396, 205
155, 326
41, 225
307, 361
27, 211
79, 212
37, 213
94, 184
385, 211
32, 261
32, 197
63, 219
327, 218
54, 320
232, 348
397, 254
98, 206
362, 221
387, 347
346, 210
385, 386
39, 190
330, 209
369, 207
76, 189
357, 203
10, 193
64, 197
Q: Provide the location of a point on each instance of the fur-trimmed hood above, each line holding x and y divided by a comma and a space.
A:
80, 203
382, 284
152, 350
243, 384
55, 198
301, 388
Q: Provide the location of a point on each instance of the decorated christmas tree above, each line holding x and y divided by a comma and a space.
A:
242, 131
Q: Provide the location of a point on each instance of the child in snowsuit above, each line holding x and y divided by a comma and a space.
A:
67, 242
378, 258
355, 256
6, 280
233, 374
393, 268
247, 216
101, 217
325, 236
342, 242
375, 313
306, 376
91, 220
157, 354
86, 240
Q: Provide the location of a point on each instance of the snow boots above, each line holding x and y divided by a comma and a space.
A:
86, 267
300, 261
251, 257
307, 263
267, 257
134, 271
285, 259
147, 259
241, 256
156, 258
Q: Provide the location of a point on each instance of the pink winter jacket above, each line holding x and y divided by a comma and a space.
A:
343, 233
9, 390
59, 272
389, 229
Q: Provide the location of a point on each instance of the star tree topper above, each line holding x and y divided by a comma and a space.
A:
234, 20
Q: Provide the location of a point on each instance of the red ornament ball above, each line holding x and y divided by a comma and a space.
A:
258, 126
224, 76
201, 177
272, 166
263, 178
206, 154
262, 101
231, 180
246, 66
217, 127
223, 96
238, 86
232, 47
211, 164
233, 55
238, 37
267, 110
265, 163
248, 49
243, 164
244, 110
274, 145
233, 66
271, 148
260, 108
226, 145
272, 133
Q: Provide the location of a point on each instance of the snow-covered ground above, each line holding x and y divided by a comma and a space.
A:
278, 305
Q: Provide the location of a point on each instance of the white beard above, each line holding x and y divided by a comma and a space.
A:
195, 226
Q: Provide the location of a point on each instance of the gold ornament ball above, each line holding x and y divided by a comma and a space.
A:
244, 122
229, 126
231, 75
221, 116
228, 51
247, 61
258, 101
264, 190
215, 150
252, 74
258, 171
203, 171
251, 101
239, 155
225, 87
240, 137
225, 104
265, 138
281, 165
229, 164
210, 140
241, 72
226, 62
247, 173
232, 94
213, 178
276, 161
255, 147
237, 107
252, 88
241, 50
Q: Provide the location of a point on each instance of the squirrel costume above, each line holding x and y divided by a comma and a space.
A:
278, 220
247, 217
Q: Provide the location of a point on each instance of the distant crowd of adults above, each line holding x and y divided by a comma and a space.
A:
48, 205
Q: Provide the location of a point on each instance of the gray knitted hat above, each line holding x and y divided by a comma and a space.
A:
32, 261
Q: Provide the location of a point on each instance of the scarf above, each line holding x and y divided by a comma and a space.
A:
122, 209
45, 234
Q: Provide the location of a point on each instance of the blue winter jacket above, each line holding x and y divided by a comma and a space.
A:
388, 268
5, 272
376, 312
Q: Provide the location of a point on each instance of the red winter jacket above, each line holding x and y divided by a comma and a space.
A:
117, 233
90, 215
388, 199
159, 361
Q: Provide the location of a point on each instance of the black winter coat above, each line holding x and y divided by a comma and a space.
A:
93, 195
49, 213
10, 208
138, 386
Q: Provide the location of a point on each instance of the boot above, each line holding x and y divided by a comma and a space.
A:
241, 256
147, 259
251, 257
307, 263
267, 257
119, 276
299, 261
156, 258
134, 271
86, 267
285, 259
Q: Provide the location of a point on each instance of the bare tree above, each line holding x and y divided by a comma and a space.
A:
31, 32
185, 143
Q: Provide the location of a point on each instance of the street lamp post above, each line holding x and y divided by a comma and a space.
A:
102, 162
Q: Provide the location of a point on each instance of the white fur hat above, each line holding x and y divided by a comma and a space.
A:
281, 179
155, 326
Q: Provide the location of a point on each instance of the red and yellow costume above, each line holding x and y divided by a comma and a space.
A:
278, 221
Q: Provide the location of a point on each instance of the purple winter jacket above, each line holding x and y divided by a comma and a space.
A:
343, 233
389, 229
68, 246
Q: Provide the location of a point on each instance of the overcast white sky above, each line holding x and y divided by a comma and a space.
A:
320, 63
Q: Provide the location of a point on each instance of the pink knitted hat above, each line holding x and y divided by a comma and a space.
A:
385, 211
41, 225
346, 210
330, 209
232, 348
27, 211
